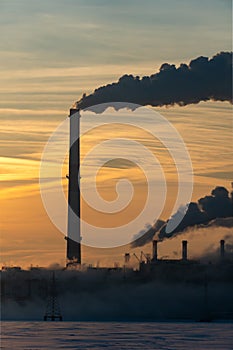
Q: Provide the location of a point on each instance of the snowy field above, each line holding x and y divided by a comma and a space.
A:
116, 336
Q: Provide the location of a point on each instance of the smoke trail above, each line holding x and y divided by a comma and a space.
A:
202, 80
105, 295
203, 242
215, 210
217, 205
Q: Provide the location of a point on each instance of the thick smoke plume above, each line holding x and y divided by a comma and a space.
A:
217, 205
145, 236
202, 80
215, 210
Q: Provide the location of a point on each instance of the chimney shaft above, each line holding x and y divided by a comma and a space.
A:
73, 235
184, 250
222, 249
155, 250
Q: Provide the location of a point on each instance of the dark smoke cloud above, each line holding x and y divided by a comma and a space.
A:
141, 238
215, 206
210, 211
219, 204
202, 80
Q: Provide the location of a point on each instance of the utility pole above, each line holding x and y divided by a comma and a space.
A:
53, 312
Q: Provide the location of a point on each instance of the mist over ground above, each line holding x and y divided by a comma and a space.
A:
172, 291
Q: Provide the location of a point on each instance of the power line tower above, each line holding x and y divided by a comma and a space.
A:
52, 312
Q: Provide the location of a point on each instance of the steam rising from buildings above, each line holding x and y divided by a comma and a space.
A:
202, 80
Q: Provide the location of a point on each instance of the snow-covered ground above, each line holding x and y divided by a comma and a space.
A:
116, 336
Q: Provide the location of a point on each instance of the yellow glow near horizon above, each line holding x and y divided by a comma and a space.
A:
25, 221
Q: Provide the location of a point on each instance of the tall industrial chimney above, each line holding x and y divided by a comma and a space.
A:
222, 249
155, 250
73, 235
184, 250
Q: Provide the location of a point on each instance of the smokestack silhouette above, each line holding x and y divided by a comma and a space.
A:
73, 237
222, 249
155, 250
202, 80
184, 250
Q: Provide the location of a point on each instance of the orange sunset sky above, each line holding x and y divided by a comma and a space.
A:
50, 56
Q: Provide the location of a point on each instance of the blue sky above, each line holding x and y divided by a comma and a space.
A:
79, 33
69, 47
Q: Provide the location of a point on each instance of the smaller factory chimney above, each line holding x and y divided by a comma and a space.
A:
184, 250
127, 258
222, 249
155, 250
